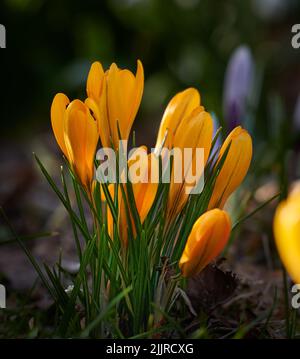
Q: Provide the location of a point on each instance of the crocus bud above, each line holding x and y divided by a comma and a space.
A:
238, 86
235, 166
287, 233
207, 239
114, 97
76, 133
194, 132
180, 107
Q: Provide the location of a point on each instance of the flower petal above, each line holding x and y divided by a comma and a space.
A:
207, 239
287, 234
235, 166
195, 131
95, 81
180, 106
124, 92
58, 109
81, 139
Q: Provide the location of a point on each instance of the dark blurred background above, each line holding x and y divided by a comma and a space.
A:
182, 43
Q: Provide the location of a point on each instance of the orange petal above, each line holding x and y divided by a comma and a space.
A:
180, 106
207, 239
81, 139
235, 166
114, 98
145, 193
95, 81
287, 234
195, 131
58, 109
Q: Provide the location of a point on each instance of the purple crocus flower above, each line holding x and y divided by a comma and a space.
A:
238, 86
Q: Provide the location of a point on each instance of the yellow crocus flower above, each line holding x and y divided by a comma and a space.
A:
235, 166
76, 133
287, 234
180, 106
114, 97
207, 239
194, 131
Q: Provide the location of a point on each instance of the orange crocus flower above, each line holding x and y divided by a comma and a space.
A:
287, 233
114, 97
76, 133
207, 239
235, 166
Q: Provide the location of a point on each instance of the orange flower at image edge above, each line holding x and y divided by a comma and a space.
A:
287, 234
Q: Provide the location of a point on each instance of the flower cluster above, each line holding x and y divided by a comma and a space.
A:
107, 114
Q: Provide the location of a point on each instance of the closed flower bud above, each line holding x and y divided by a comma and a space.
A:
114, 97
194, 132
180, 107
76, 133
235, 166
207, 239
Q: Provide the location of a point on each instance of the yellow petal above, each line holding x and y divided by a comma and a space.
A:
58, 109
137, 96
81, 137
145, 193
119, 103
235, 166
180, 106
287, 234
195, 131
207, 239
95, 81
